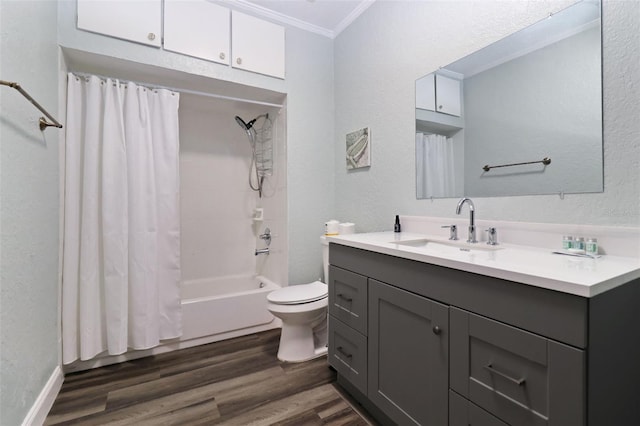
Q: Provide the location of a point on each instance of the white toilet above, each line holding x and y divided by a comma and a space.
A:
303, 311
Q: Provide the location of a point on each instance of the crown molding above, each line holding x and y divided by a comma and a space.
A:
258, 10
364, 5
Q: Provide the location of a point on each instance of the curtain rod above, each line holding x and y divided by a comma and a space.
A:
186, 91
43, 123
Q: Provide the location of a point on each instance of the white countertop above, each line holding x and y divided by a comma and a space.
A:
534, 266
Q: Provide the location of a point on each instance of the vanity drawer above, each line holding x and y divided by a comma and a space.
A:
465, 413
348, 353
348, 298
519, 377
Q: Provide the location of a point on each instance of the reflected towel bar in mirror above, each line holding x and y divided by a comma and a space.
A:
43, 123
546, 161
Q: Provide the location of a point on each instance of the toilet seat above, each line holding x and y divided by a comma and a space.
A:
298, 294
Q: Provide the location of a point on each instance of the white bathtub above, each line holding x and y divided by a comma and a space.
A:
226, 305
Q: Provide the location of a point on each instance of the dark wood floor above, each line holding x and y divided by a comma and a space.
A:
234, 382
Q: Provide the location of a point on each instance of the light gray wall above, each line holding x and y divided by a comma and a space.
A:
377, 60
543, 104
28, 207
309, 89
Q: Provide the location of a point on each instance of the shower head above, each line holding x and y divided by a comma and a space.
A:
249, 125
242, 124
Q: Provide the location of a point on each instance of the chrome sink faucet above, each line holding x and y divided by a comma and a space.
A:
472, 222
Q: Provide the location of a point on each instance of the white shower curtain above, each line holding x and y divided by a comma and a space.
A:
121, 258
434, 166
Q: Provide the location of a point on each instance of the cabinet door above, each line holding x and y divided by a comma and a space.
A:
138, 20
257, 45
448, 95
197, 28
426, 92
408, 356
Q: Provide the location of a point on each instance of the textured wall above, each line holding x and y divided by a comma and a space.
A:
309, 89
218, 234
377, 60
28, 207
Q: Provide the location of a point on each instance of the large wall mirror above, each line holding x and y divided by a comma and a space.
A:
522, 116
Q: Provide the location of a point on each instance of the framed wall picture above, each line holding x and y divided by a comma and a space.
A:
359, 149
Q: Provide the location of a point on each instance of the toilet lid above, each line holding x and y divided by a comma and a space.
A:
296, 294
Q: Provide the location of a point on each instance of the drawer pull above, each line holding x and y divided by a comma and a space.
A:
490, 369
343, 352
436, 330
345, 298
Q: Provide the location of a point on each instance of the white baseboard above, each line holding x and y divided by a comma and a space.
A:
40, 408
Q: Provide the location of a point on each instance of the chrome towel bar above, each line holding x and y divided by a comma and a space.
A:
546, 161
43, 123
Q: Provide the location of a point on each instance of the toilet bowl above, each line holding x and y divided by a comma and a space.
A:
303, 311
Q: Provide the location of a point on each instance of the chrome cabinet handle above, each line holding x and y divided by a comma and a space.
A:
436, 330
239, 61
343, 352
222, 55
345, 298
151, 36
491, 370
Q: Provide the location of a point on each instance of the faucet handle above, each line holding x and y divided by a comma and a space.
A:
453, 231
492, 236
266, 236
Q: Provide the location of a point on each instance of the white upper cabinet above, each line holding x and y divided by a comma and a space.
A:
426, 92
257, 45
197, 28
439, 93
139, 21
448, 95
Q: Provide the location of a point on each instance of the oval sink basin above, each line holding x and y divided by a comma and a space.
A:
460, 245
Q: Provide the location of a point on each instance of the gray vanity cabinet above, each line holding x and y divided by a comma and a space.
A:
408, 355
418, 343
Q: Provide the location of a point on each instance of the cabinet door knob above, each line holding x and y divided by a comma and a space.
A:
439, 106
437, 330
222, 55
151, 36
239, 61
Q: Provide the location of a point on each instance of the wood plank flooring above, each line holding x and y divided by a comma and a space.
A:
234, 382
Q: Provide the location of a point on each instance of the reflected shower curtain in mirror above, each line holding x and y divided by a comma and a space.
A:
121, 257
435, 167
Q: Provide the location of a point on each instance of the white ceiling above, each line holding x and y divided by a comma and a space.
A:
326, 17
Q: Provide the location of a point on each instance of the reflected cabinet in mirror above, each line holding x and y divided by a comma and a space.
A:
522, 116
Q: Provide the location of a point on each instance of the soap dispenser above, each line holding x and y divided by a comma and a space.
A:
396, 226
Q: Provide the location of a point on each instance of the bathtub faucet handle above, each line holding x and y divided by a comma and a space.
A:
266, 236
